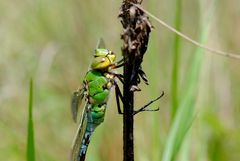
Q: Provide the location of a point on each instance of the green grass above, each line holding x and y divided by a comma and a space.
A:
176, 57
185, 112
53, 41
30, 137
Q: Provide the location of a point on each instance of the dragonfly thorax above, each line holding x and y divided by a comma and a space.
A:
98, 87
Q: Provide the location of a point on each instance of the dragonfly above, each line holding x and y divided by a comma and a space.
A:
95, 90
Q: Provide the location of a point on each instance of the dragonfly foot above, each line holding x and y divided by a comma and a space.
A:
144, 108
143, 76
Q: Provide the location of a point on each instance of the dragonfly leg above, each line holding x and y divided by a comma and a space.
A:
118, 64
121, 61
143, 75
118, 95
144, 108
120, 77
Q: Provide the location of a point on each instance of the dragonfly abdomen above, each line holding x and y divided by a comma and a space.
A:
95, 116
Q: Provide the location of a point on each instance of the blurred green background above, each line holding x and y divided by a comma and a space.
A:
52, 41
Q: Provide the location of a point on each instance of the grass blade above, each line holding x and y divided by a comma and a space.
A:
184, 115
176, 48
30, 138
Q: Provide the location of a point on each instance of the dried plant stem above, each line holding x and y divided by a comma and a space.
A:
128, 120
219, 52
136, 29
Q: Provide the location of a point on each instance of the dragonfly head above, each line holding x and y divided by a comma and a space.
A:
103, 58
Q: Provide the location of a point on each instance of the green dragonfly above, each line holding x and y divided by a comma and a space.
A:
95, 90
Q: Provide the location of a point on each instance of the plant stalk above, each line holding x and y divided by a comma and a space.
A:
128, 120
176, 45
136, 29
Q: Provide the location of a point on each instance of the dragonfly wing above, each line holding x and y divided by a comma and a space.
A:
76, 101
79, 135
100, 44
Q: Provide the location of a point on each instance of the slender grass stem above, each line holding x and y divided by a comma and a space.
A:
185, 114
30, 137
175, 65
187, 38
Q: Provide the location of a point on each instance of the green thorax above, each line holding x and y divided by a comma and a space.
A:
97, 87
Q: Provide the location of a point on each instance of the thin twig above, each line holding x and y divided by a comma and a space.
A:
219, 52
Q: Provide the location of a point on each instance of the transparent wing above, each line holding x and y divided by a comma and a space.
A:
76, 101
100, 44
79, 134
